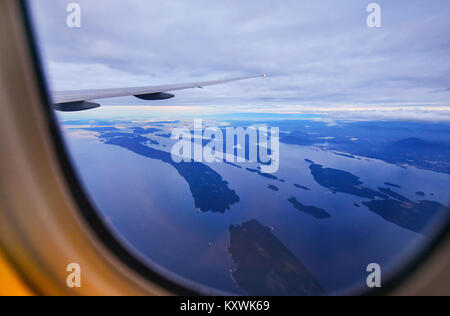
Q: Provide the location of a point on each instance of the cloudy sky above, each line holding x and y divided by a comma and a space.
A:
318, 54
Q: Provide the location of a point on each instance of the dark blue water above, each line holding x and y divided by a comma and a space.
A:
343, 198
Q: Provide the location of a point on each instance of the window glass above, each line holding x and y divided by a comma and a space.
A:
327, 176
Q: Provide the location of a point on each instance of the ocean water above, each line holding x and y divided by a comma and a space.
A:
259, 242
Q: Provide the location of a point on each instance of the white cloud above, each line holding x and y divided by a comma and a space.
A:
317, 53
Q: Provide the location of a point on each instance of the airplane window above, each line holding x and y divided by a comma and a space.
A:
258, 147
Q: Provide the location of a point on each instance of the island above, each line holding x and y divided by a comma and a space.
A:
265, 266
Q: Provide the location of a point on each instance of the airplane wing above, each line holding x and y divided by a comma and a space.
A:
80, 100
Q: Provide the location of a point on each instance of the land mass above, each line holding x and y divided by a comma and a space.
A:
209, 190
265, 266
310, 210
414, 216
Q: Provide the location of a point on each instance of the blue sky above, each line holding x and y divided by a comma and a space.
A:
319, 55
